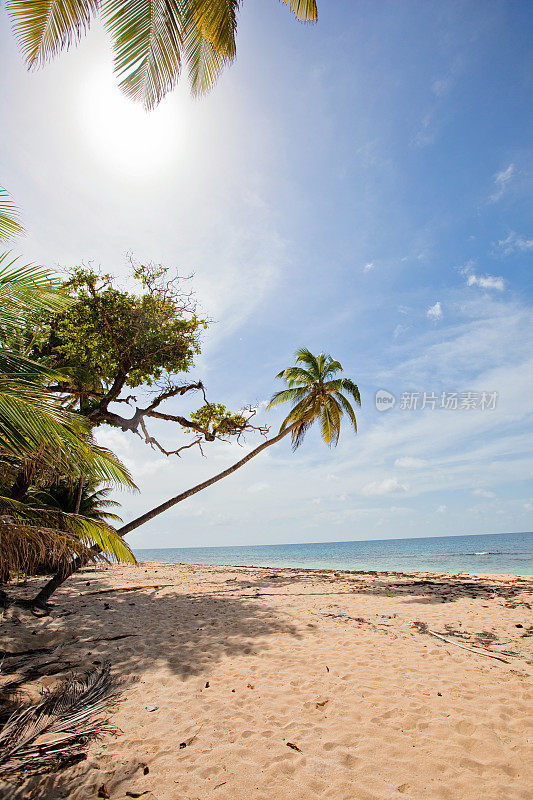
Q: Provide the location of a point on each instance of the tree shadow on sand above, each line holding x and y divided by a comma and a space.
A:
136, 631
439, 588
184, 632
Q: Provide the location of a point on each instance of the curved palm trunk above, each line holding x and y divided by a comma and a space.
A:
47, 591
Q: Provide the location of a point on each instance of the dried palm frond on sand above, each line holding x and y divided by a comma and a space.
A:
48, 734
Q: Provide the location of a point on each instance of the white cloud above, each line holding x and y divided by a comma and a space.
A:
425, 134
442, 87
501, 182
409, 462
483, 493
515, 243
384, 487
369, 267
399, 329
486, 282
441, 509
466, 269
434, 312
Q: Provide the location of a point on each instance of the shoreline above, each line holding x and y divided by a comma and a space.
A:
389, 684
336, 571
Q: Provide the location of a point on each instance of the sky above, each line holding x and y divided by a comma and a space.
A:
361, 187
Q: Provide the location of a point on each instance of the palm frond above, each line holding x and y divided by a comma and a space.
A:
304, 10
303, 355
287, 394
330, 420
331, 367
31, 418
25, 288
101, 465
148, 41
20, 367
299, 432
204, 61
346, 405
54, 731
71, 529
23, 548
44, 27
217, 22
350, 387
298, 411
9, 216
294, 374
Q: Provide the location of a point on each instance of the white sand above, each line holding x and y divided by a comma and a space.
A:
330, 662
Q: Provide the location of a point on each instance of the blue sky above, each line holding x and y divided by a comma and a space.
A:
363, 187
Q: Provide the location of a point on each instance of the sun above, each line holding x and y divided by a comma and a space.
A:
130, 140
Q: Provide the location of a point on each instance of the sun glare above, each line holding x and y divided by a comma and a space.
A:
120, 132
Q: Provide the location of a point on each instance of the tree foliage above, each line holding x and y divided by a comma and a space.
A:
110, 336
111, 342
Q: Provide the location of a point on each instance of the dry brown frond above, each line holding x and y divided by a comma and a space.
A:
24, 547
48, 734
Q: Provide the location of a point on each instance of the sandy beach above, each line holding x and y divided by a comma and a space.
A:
242, 683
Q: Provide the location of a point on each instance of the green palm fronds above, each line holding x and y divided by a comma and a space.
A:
316, 396
64, 495
152, 39
9, 216
33, 424
26, 288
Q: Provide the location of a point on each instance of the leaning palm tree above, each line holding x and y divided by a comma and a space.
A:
151, 38
317, 395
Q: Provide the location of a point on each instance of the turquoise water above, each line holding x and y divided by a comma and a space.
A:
499, 553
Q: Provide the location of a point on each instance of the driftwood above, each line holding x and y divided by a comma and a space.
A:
471, 649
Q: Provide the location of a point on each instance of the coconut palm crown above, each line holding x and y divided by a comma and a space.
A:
316, 394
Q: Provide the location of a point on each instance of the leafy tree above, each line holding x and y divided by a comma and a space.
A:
316, 395
110, 343
151, 38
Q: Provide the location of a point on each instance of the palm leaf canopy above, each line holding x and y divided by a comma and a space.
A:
151, 38
317, 394
31, 535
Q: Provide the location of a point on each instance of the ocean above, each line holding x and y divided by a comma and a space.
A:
498, 553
